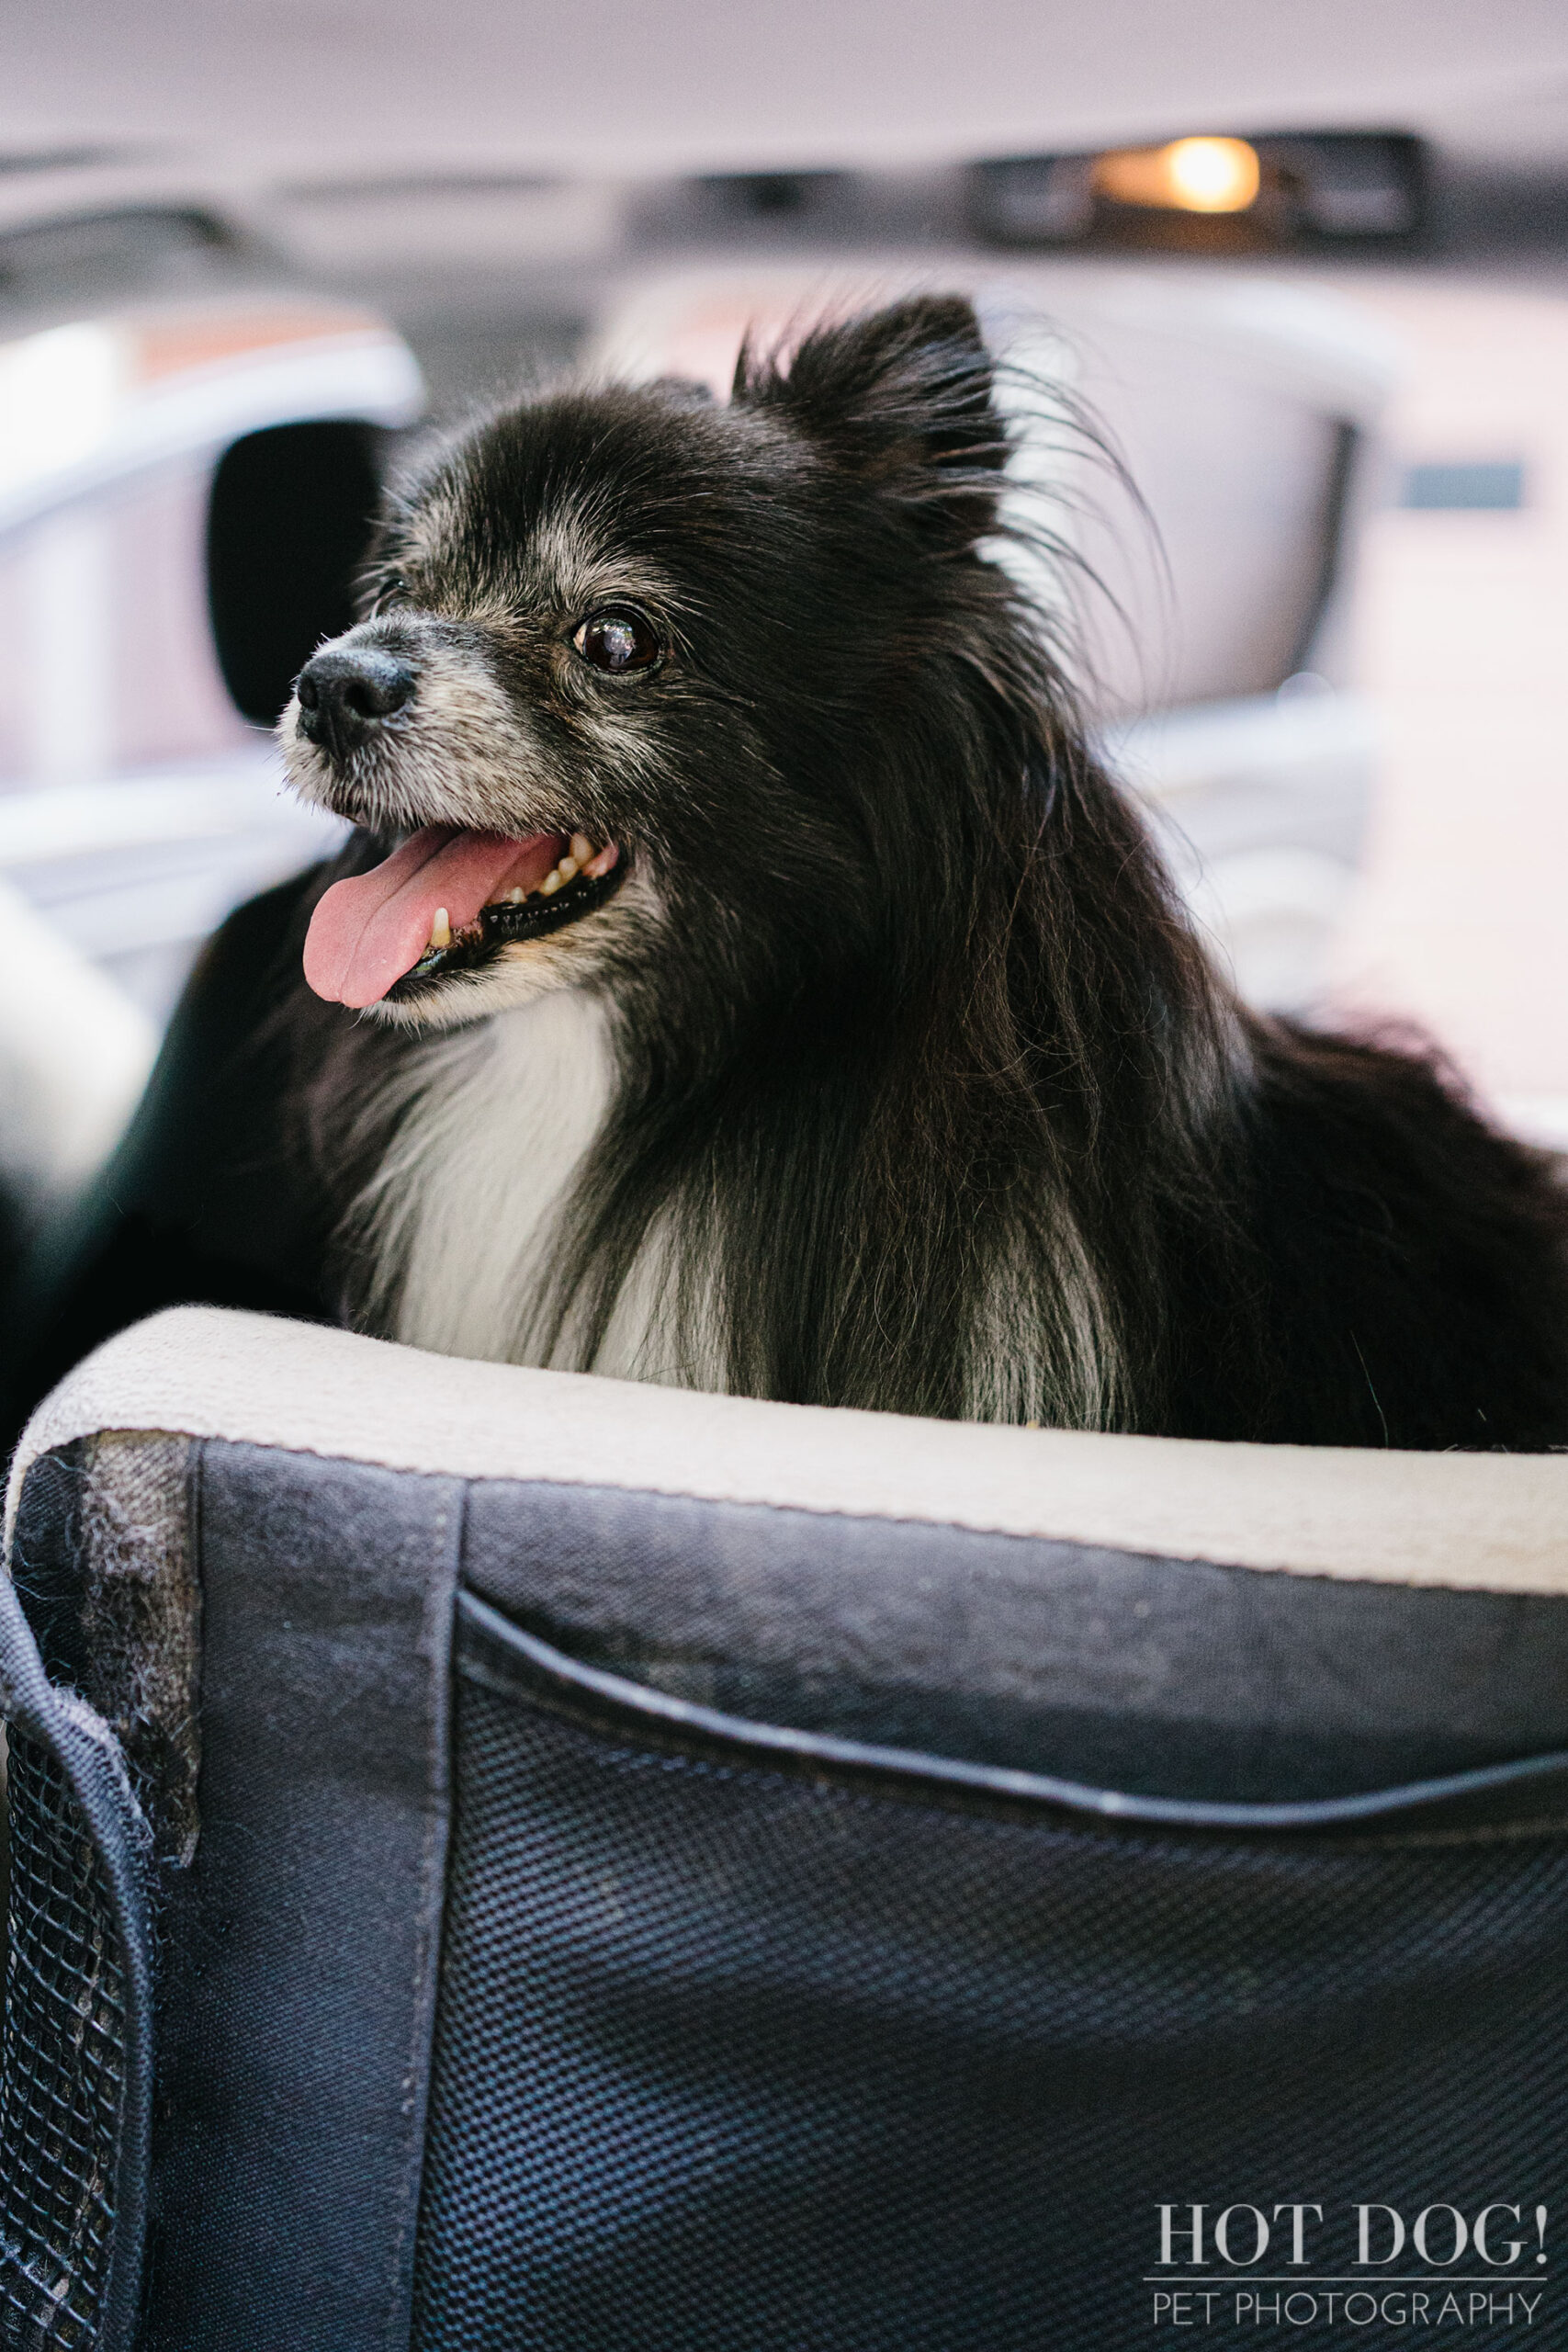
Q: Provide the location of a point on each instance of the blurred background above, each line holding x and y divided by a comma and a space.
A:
1309, 265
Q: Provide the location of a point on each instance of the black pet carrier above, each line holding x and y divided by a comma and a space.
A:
501, 1859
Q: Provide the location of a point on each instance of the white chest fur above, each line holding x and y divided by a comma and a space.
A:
463, 1214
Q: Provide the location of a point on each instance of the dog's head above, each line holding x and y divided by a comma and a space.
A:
638, 670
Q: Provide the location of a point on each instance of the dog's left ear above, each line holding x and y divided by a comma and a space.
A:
903, 397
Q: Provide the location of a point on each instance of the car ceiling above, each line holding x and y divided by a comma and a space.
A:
252, 93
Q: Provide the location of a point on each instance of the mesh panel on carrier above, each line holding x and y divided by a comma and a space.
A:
62, 2067
736, 2057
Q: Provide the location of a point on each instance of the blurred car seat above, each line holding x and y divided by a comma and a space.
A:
166, 464
226, 493
138, 804
502, 1858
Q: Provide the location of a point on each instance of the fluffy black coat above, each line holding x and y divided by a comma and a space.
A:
920, 1070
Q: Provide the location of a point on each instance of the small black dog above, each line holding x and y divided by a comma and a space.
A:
770, 993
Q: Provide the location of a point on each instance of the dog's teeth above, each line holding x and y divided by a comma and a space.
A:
603, 863
441, 930
516, 895
551, 882
582, 848
567, 868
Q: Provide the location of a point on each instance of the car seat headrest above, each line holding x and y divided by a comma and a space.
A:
288, 524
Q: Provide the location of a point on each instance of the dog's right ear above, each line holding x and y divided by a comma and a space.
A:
902, 396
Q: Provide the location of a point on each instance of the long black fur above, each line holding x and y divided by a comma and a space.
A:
923, 1063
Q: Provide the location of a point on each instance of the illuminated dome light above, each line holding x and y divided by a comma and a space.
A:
1189, 176
1212, 174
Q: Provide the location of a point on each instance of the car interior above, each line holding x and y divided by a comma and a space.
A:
505, 1856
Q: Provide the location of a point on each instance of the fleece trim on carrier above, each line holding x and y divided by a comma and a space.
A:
1487, 1521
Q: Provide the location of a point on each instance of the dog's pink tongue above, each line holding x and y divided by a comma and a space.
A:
370, 930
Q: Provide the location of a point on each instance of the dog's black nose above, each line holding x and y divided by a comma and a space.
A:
346, 691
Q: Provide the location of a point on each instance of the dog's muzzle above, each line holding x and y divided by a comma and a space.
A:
347, 694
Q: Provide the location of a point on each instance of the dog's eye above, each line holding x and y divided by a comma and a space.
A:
617, 638
393, 591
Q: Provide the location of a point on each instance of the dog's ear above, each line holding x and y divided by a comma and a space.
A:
903, 397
